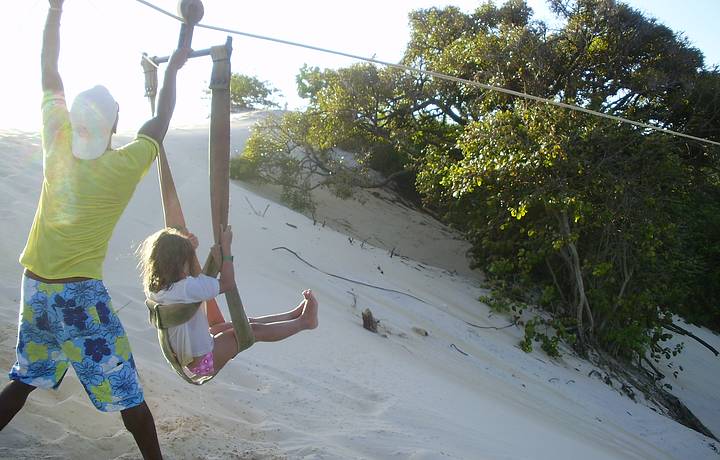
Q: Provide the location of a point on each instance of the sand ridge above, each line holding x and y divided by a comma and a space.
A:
458, 392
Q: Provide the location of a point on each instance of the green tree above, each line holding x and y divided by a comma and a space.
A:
250, 93
580, 208
608, 226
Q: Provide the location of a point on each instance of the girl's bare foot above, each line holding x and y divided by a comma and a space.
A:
310, 310
297, 311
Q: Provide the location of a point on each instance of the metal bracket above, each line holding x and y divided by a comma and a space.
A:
151, 79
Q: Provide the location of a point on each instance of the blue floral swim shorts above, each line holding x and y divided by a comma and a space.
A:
74, 323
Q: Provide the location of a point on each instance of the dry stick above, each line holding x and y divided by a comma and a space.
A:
452, 345
658, 375
514, 323
381, 288
354, 305
252, 207
679, 330
348, 279
255, 211
126, 304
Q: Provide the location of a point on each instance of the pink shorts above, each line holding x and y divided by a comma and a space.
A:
205, 366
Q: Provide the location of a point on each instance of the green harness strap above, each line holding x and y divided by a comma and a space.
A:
243, 332
165, 316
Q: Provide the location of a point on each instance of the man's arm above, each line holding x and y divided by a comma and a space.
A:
51, 80
157, 127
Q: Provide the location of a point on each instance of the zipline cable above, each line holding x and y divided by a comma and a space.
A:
441, 76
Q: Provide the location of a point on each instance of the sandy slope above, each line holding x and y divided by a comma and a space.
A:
338, 392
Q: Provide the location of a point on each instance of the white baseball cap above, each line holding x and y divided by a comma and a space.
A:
92, 116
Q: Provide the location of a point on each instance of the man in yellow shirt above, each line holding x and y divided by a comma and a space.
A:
66, 314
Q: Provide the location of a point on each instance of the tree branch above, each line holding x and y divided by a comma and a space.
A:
679, 330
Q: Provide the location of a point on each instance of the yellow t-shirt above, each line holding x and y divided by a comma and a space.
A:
81, 200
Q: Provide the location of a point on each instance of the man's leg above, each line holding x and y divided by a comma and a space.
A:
115, 366
12, 399
139, 422
15, 393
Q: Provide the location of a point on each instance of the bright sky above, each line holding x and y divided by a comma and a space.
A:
102, 40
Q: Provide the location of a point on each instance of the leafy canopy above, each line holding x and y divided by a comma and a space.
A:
612, 228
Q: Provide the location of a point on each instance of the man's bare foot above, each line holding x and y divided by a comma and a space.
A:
310, 310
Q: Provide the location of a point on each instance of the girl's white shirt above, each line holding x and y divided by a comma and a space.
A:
193, 338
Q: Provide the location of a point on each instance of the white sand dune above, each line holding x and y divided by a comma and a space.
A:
460, 392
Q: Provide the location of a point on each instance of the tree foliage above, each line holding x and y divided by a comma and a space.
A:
611, 227
250, 93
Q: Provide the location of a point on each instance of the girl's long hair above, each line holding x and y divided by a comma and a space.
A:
163, 256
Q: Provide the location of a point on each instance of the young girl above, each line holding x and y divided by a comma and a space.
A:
165, 261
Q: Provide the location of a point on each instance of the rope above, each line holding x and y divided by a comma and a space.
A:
157, 8
348, 279
442, 77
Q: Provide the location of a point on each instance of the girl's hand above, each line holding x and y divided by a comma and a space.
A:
193, 240
57, 4
226, 240
217, 255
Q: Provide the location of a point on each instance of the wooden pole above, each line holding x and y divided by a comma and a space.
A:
219, 148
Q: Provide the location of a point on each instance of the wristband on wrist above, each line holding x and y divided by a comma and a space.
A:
227, 258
